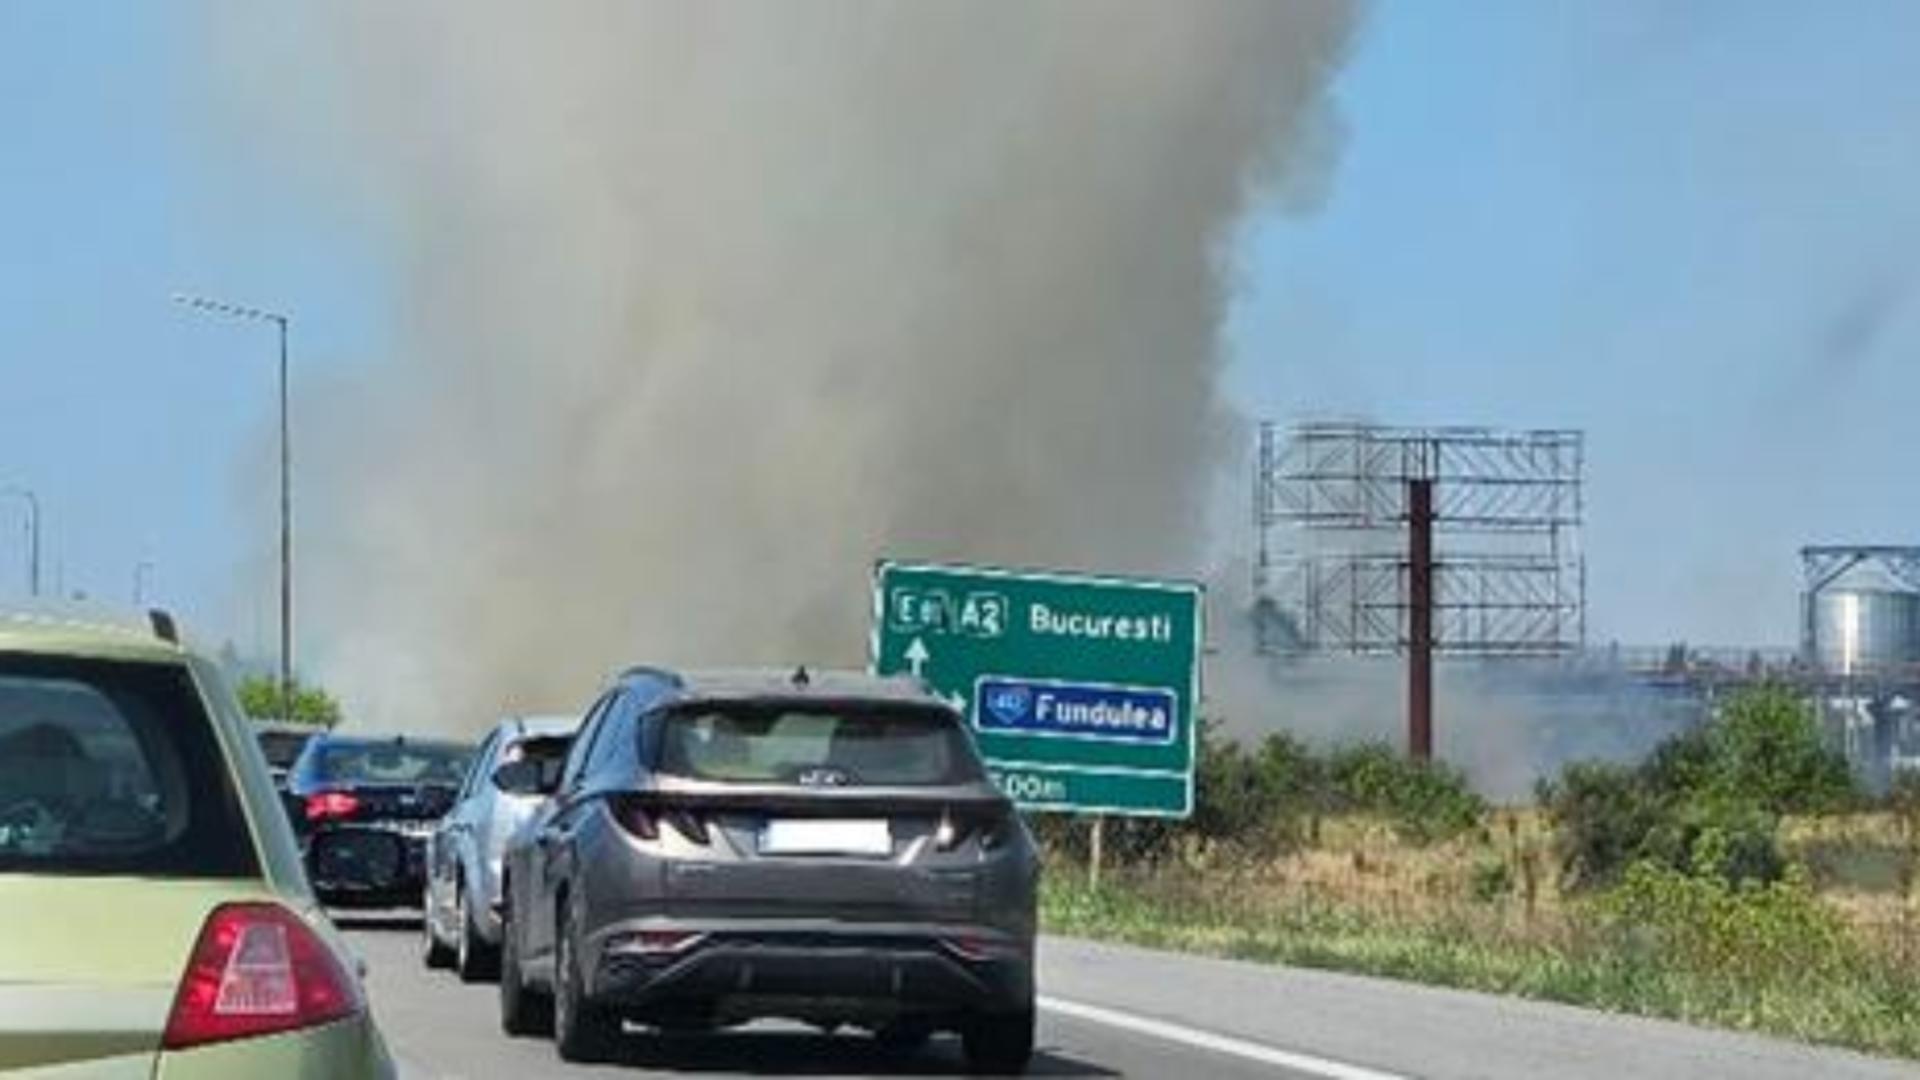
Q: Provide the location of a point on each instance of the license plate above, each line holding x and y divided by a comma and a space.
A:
814, 836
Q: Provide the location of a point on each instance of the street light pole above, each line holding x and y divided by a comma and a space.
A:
33, 533
280, 321
286, 537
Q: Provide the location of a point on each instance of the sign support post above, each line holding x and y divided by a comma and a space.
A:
1095, 854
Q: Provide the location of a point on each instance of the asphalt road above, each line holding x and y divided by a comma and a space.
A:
1110, 1011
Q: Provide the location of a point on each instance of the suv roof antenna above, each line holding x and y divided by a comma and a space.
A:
163, 625
800, 676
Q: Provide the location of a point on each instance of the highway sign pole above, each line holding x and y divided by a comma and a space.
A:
1096, 852
1081, 691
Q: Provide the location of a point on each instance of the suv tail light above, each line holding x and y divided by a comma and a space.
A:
635, 816
332, 804
258, 969
690, 824
991, 828
642, 819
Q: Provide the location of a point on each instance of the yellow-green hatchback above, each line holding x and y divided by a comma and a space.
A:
154, 917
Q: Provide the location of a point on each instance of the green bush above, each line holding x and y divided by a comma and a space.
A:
1699, 921
1254, 801
1603, 815
1732, 839
1264, 801
312, 705
1492, 879
1426, 801
1719, 791
1767, 748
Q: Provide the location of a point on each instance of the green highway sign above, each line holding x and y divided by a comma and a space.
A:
1082, 691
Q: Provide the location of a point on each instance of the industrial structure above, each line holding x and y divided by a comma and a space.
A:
1425, 542
1860, 651
1428, 543
1860, 611
1857, 662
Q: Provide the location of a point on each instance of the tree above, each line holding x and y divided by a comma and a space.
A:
1768, 748
313, 706
1707, 799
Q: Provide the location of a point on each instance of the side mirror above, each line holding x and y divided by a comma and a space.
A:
523, 777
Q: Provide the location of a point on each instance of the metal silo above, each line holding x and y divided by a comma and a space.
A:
1860, 612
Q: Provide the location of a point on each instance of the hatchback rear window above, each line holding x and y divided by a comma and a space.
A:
391, 763
825, 746
547, 751
113, 768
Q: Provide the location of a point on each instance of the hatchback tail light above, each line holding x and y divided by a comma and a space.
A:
332, 804
258, 969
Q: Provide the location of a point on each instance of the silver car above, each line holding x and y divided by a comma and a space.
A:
725, 848
462, 922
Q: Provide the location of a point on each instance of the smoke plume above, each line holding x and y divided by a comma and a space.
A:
702, 308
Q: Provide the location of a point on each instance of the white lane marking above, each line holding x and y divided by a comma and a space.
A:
1219, 1044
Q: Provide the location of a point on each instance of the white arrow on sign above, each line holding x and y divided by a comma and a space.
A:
917, 656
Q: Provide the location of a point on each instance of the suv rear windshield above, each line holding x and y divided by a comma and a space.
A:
110, 767
389, 762
830, 745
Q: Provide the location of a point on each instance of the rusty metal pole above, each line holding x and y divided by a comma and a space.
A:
1420, 619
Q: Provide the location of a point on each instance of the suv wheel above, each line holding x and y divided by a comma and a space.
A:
523, 1011
432, 952
582, 1031
474, 959
999, 1043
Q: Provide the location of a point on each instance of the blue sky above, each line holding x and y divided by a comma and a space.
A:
1692, 231
135, 420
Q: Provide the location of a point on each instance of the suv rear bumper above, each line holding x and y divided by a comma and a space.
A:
849, 975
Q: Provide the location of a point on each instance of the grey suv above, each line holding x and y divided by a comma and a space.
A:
723, 848
462, 923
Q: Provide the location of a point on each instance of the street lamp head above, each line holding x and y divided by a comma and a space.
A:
221, 307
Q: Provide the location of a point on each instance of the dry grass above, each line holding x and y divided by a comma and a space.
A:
1864, 865
1485, 911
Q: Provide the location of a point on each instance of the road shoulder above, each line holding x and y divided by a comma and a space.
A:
1424, 1031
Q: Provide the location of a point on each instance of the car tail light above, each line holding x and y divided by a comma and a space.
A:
690, 824
636, 817
970, 948
332, 804
642, 819
258, 969
990, 828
